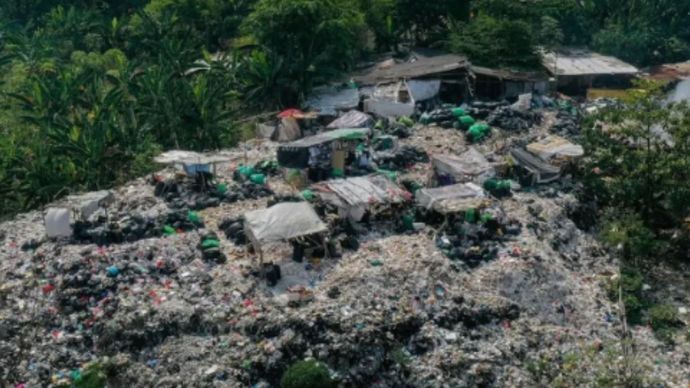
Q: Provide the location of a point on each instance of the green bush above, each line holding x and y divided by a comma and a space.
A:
307, 374
630, 283
663, 318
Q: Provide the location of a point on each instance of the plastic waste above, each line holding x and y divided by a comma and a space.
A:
169, 230
112, 271
457, 112
258, 179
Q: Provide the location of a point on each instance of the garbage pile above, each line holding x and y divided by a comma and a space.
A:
513, 120
154, 295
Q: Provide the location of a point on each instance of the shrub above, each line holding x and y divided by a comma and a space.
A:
663, 318
307, 374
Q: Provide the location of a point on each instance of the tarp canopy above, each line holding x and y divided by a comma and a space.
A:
422, 90
352, 119
189, 157
452, 199
354, 196
329, 136
542, 171
284, 221
471, 166
556, 149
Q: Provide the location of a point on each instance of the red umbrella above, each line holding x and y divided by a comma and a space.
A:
290, 113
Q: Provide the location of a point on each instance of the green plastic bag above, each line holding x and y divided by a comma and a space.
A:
406, 121
210, 243
338, 173
169, 230
408, 221
392, 175
486, 217
246, 170
471, 216
308, 195
222, 188
479, 131
457, 112
258, 179
194, 218
467, 121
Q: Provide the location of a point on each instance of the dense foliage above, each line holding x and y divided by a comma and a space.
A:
92, 88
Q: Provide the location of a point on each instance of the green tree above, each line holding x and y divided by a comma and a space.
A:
316, 39
495, 42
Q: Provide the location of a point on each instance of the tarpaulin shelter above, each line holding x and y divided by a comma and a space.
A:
555, 149
471, 166
352, 119
355, 196
192, 162
58, 219
452, 199
297, 153
282, 222
540, 171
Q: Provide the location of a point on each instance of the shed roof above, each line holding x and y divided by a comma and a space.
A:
670, 71
369, 190
421, 67
582, 62
511, 75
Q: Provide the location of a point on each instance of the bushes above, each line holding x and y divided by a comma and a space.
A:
307, 374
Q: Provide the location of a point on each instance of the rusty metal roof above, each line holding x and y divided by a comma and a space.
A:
509, 74
583, 62
422, 67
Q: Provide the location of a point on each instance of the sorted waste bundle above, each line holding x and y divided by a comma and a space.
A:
185, 196
211, 249
120, 228
477, 237
478, 132
233, 228
513, 120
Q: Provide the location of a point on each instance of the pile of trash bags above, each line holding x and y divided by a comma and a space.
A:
514, 120
476, 238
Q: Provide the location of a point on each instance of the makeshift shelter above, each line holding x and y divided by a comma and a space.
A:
325, 151
355, 196
282, 222
352, 119
556, 150
499, 84
471, 166
191, 162
393, 89
535, 169
452, 199
577, 71
58, 220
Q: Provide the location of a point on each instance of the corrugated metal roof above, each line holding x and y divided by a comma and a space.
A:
581, 62
422, 67
512, 75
